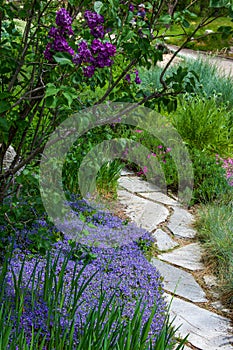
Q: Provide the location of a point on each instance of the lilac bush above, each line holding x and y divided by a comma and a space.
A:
63, 60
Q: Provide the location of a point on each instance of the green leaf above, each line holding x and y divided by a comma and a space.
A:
97, 6
165, 19
129, 35
51, 90
185, 23
51, 101
4, 125
4, 106
69, 97
221, 3
62, 60
225, 29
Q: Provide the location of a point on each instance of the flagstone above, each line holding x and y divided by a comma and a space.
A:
159, 197
144, 213
180, 223
135, 184
207, 330
179, 282
163, 240
188, 257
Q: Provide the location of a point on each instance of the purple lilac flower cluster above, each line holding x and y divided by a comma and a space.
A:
59, 35
94, 22
97, 56
123, 271
137, 79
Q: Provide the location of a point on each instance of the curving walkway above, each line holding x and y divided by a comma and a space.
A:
195, 303
225, 65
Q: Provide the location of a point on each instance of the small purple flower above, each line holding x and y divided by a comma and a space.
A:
97, 46
63, 18
76, 59
111, 49
98, 32
84, 54
60, 44
93, 19
127, 77
131, 7
53, 32
88, 71
137, 79
47, 53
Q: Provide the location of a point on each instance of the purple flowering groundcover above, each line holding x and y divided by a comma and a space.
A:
61, 289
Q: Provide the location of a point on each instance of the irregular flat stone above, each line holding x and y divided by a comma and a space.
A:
207, 330
179, 282
163, 240
180, 223
159, 197
126, 172
134, 184
144, 213
188, 257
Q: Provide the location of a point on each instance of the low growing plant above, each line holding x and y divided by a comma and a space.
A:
56, 302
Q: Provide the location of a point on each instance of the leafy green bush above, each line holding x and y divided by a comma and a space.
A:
210, 180
204, 124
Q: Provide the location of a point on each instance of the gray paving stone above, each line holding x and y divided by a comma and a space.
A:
134, 184
144, 213
188, 256
163, 240
180, 223
179, 282
159, 197
207, 330
126, 172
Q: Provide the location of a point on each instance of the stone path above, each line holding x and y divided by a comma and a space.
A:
195, 301
225, 65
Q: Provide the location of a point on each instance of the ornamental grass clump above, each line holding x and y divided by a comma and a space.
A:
214, 224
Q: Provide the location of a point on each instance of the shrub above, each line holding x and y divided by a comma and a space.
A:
210, 180
204, 124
